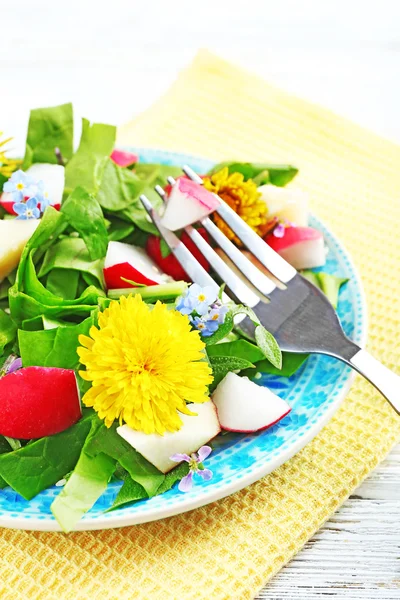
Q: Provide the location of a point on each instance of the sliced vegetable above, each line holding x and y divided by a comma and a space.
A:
302, 247
125, 261
14, 234
165, 292
246, 407
188, 202
196, 431
37, 402
123, 158
287, 204
167, 261
53, 177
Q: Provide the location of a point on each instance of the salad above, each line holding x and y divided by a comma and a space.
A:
114, 365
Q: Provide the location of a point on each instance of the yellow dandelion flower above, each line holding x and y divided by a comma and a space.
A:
7, 165
242, 196
143, 364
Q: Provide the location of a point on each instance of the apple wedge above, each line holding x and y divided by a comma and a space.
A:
246, 407
14, 233
195, 432
188, 202
130, 262
302, 247
288, 204
53, 177
38, 401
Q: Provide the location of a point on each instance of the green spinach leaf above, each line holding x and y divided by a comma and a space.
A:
277, 174
86, 167
86, 484
269, 346
84, 213
222, 365
63, 283
54, 347
119, 187
8, 330
72, 253
49, 128
109, 442
42, 463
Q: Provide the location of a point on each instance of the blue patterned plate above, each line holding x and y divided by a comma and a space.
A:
314, 393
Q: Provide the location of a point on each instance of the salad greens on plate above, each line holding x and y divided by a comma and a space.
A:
114, 365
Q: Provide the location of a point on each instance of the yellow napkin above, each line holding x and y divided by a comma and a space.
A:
228, 550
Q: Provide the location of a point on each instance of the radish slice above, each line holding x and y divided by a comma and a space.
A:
53, 177
245, 406
195, 432
14, 233
302, 247
288, 204
7, 202
188, 202
130, 262
124, 159
38, 401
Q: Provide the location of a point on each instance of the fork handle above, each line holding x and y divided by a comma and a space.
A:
387, 382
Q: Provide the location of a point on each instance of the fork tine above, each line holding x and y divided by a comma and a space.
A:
260, 281
268, 257
235, 284
192, 267
240, 290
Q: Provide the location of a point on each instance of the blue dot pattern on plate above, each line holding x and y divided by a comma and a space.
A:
312, 393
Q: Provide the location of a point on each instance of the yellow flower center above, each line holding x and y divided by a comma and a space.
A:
242, 196
144, 365
201, 298
20, 186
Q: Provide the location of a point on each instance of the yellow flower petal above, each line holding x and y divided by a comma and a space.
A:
242, 196
144, 365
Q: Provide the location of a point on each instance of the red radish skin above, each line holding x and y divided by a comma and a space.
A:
113, 275
302, 247
38, 401
169, 264
130, 262
257, 430
244, 407
188, 202
124, 159
7, 202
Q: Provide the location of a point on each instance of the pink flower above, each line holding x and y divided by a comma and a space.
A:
195, 461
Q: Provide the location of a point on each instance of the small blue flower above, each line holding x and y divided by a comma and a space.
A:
42, 196
197, 299
27, 210
217, 314
205, 326
18, 185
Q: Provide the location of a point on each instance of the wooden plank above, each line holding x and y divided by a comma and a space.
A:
356, 555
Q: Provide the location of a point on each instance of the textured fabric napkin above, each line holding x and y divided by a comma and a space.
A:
229, 549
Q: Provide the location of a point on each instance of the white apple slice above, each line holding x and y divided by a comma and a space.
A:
289, 204
188, 202
53, 177
245, 406
130, 262
195, 432
14, 233
302, 247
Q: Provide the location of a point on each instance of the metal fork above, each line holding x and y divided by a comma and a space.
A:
299, 316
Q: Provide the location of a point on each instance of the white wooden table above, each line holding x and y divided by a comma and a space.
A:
112, 59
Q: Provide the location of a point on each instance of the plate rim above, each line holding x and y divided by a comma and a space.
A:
121, 520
